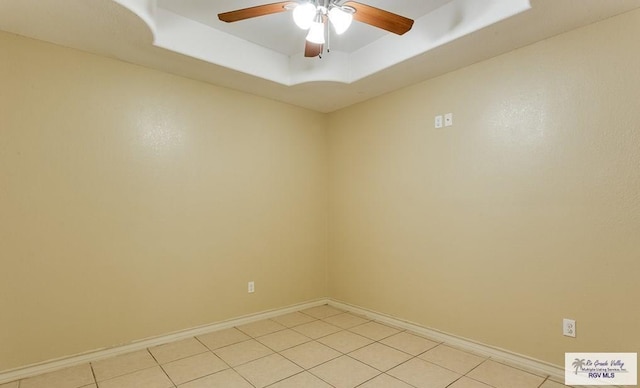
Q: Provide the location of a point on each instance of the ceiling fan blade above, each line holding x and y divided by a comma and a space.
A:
312, 49
380, 18
252, 12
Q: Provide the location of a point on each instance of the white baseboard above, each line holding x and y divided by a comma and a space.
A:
95, 355
514, 359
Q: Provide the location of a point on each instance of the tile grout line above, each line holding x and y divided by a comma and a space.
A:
202, 343
161, 368
277, 331
199, 377
476, 367
454, 381
543, 381
244, 378
169, 377
374, 377
398, 378
293, 375
93, 373
318, 377
127, 374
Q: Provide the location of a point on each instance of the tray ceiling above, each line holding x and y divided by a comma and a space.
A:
264, 56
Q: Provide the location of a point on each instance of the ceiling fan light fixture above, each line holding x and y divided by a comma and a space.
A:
304, 14
316, 15
316, 32
340, 19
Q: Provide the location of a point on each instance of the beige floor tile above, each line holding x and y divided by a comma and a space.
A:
89, 386
385, 381
225, 379
122, 365
73, 377
268, 370
346, 320
466, 382
283, 339
453, 359
9, 385
147, 378
379, 356
344, 372
345, 341
316, 329
522, 368
555, 379
323, 311
422, 374
374, 330
194, 367
293, 319
222, 338
260, 328
310, 354
301, 380
242, 352
409, 343
177, 350
502, 376
552, 384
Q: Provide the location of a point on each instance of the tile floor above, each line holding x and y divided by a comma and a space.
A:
321, 347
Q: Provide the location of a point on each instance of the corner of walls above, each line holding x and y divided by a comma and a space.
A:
328, 184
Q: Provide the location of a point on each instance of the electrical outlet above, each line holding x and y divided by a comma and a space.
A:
569, 327
251, 287
448, 119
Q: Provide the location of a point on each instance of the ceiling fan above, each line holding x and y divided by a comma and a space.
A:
312, 15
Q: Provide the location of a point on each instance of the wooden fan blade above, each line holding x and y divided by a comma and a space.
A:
312, 49
380, 18
252, 12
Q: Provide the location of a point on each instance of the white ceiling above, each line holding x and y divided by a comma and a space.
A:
263, 56
277, 32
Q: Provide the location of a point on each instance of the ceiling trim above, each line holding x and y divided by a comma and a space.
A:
447, 23
126, 30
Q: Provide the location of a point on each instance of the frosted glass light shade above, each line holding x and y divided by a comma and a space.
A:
303, 15
316, 33
340, 19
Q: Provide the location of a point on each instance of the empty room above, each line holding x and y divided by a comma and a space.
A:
317, 194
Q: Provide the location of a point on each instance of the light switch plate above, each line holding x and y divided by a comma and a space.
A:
438, 121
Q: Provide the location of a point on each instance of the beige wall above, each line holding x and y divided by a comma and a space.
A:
525, 212
135, 203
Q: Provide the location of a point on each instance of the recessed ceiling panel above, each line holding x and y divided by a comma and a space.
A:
278, 32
